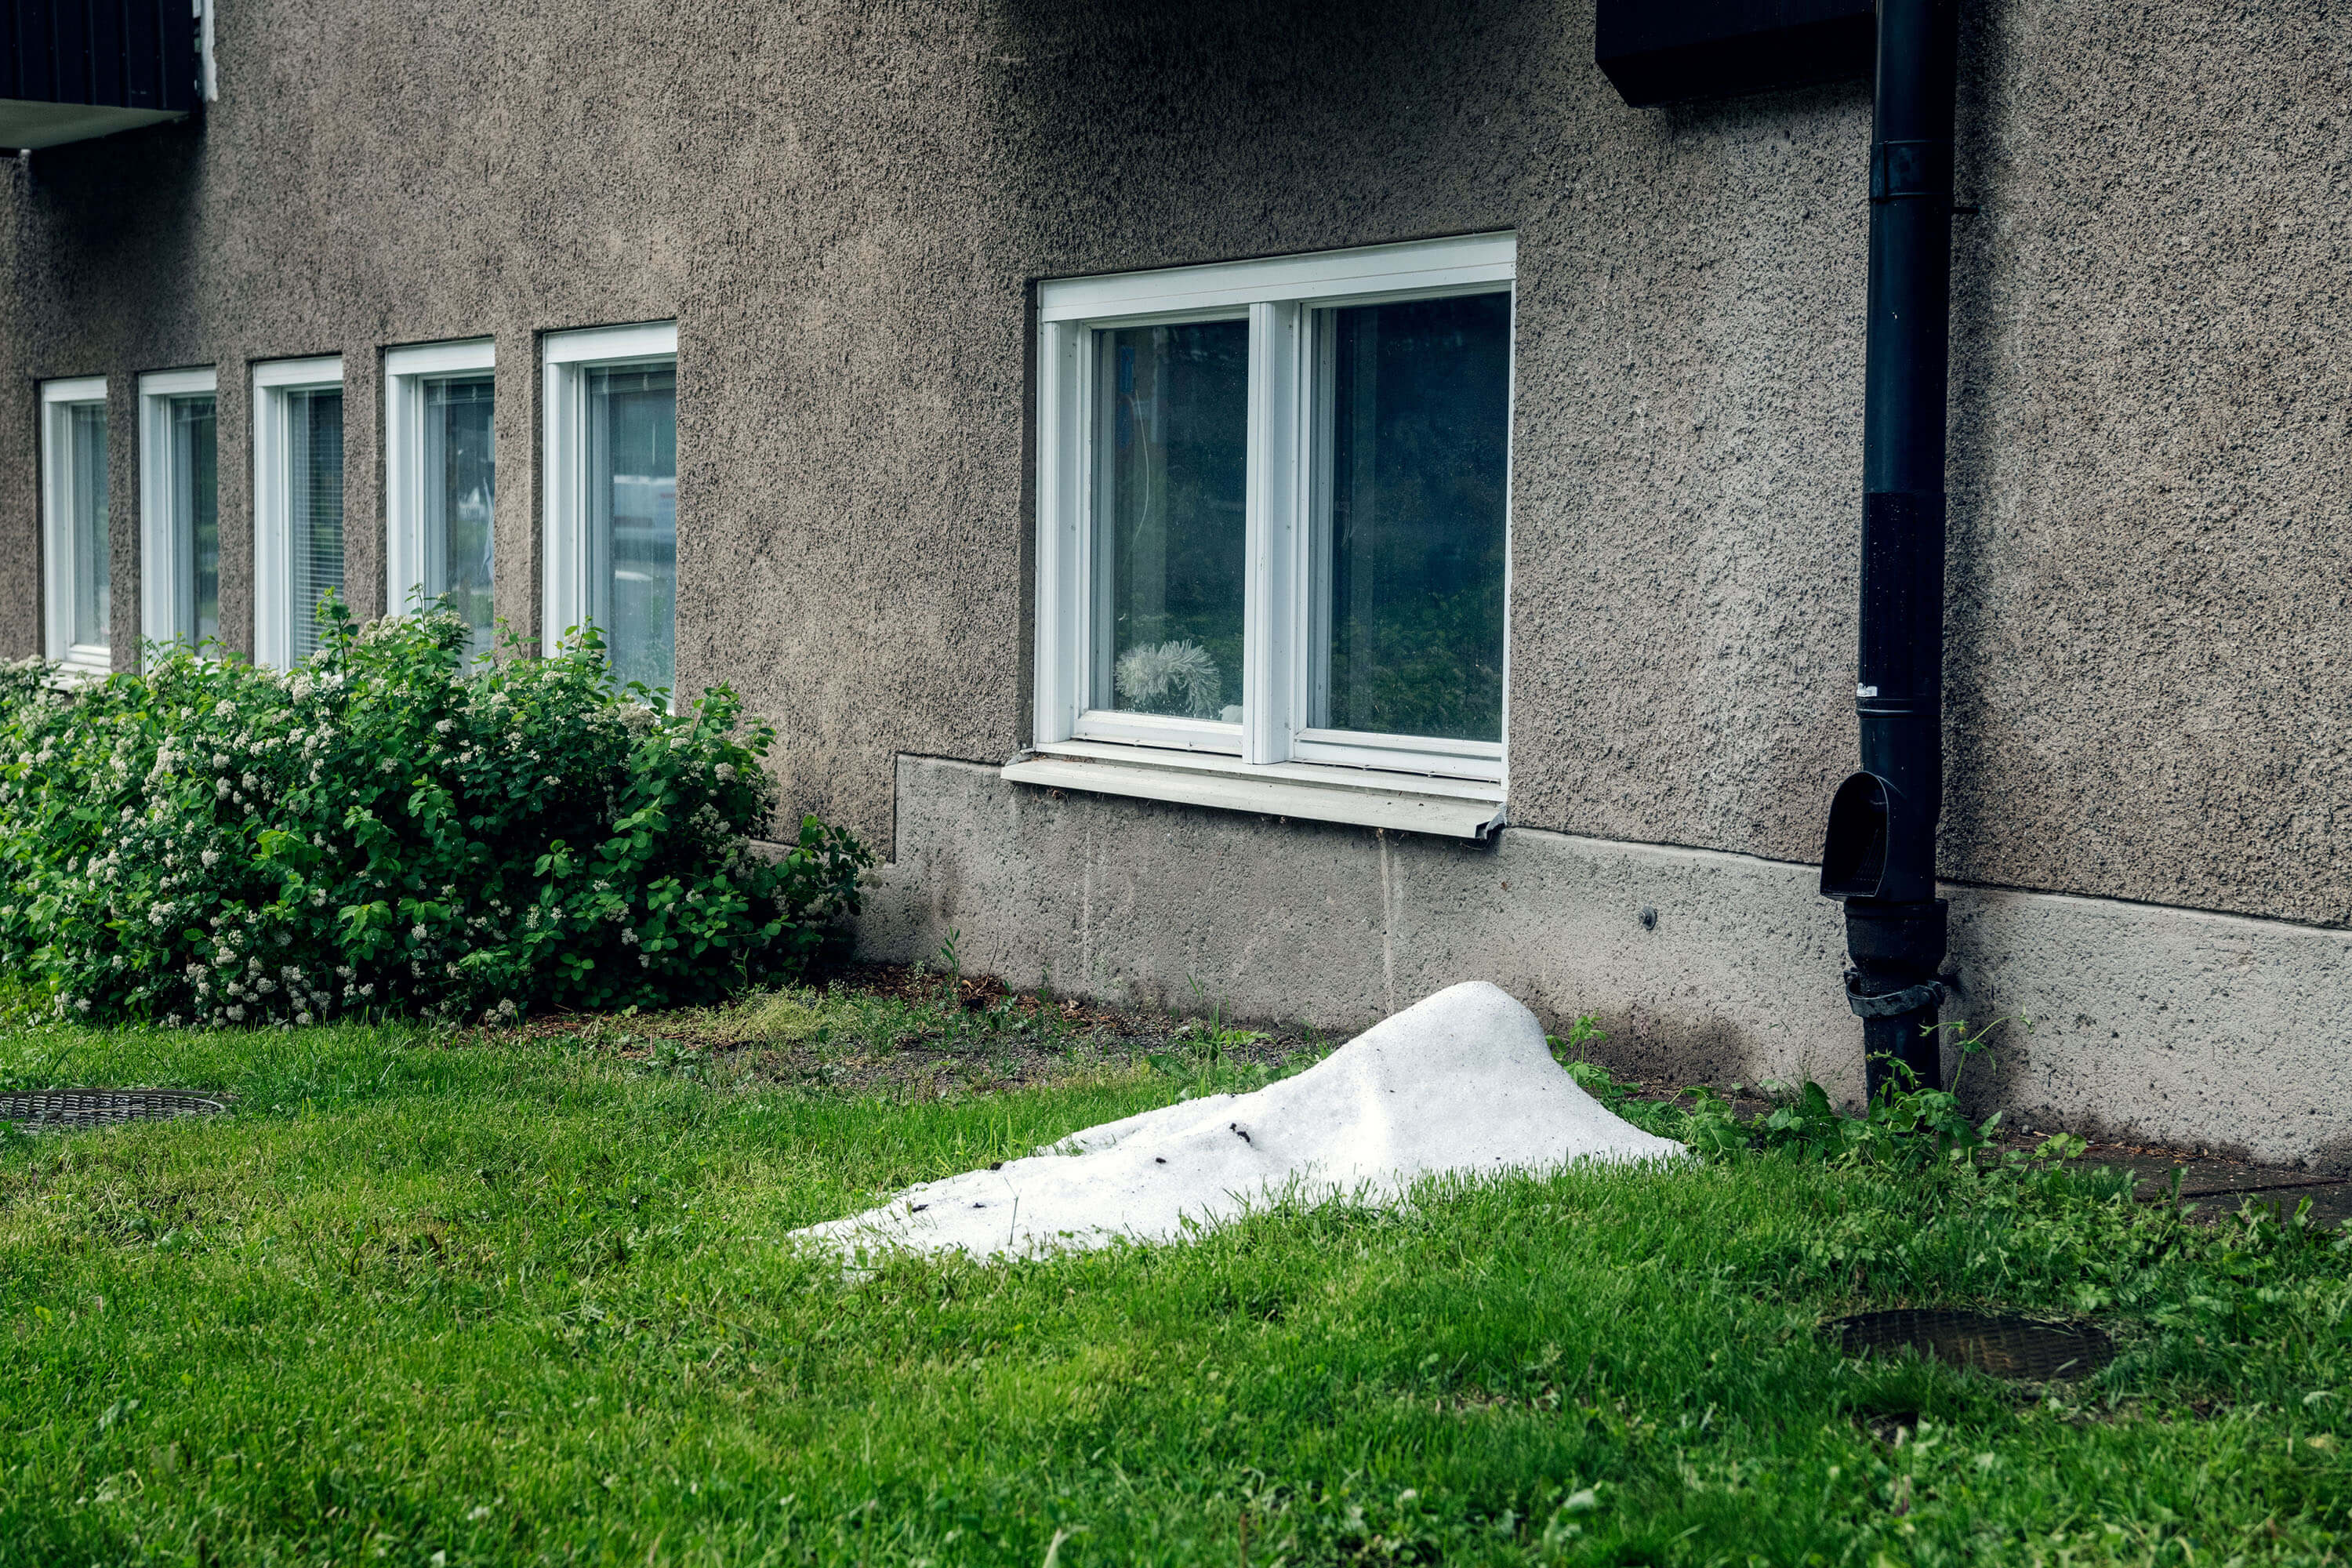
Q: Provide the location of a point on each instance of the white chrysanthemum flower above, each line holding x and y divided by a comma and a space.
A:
1176, 677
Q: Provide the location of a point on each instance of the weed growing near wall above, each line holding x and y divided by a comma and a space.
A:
380, 830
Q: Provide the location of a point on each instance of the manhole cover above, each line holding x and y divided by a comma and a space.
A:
2026, 1348
66, 1109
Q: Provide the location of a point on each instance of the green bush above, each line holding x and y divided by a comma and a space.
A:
380, 830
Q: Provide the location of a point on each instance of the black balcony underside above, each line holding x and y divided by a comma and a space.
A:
1671, 51
77, 69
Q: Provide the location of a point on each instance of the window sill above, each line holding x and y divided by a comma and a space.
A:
83, 666
1451, 808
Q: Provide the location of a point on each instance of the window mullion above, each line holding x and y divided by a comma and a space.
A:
1271, 620
1063, 557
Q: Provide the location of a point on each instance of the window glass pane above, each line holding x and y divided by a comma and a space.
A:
314, 512
1419, 423
458, 484
86, 460
196, 517
633, 519
1170, 472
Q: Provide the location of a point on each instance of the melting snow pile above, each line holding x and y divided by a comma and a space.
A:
1460, 1082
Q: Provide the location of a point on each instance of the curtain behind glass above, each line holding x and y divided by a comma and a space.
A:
314, 512
86, 460
1173, 509
196, 518
458, 484
1420, 432
633, 519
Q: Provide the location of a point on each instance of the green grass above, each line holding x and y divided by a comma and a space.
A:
457, 1301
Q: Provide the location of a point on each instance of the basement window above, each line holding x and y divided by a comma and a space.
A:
612, 496
440, 482
1273, 534
298, 503
76, 586
179, 507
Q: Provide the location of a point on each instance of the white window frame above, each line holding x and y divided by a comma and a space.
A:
567, 358
58, 398
273, 544
1271, 761
164, 567
406, 372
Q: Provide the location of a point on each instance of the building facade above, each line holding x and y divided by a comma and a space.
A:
1295, 505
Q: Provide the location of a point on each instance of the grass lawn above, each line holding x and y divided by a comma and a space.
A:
526, 1299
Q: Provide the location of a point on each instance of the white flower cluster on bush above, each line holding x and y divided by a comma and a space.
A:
210, 843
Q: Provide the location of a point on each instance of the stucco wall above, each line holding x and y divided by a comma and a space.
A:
2150, 636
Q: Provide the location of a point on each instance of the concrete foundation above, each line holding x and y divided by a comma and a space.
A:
2149, 1023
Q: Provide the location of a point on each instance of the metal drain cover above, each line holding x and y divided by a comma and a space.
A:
68, 1109
2033, 1350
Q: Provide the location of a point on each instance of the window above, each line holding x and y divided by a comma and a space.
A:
1273, 533
179, 508
298, 503
612, 495
440, 479
79, 612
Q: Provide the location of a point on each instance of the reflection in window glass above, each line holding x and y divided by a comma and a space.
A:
633, 519
314, 511
195, 516
460, 482
1419, 424
1172, 472
92, 598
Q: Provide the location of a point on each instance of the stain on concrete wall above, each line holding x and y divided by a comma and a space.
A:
2127, 1020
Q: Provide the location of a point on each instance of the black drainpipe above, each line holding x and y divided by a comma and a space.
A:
1880, 851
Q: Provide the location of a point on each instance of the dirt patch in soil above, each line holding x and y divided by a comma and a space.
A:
907, 1032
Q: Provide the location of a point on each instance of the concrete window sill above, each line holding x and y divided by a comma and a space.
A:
1452, 808
77, 670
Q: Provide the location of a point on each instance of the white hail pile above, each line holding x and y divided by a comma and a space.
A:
1460, 1083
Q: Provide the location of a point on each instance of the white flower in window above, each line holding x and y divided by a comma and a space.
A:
1175, 678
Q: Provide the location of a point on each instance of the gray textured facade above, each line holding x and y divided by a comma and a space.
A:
846, 209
